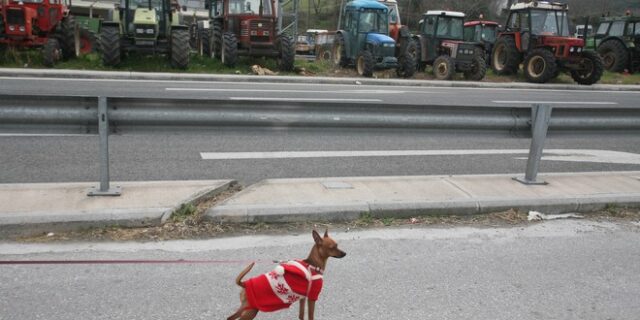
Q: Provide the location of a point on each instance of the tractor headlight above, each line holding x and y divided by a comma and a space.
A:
265, 33
141, 31
572, 49
21, 28
12, 28
388, 45
150, 31
579, 49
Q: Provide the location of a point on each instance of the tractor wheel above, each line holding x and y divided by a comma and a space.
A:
88, 42
110, 45
365, 64
478, 69
591, 69
614, 55
323, 55
505, 57
444, 68
287, 53
420, 66
180, 48
216, 40
206, 42
52, 52
340, 52
229, 49
406, 60
539, 66
67, 31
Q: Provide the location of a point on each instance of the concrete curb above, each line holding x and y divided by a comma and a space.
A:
130, 75
34, 222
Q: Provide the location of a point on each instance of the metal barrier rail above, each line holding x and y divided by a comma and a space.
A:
17, 111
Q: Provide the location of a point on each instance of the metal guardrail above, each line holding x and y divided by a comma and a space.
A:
29, 112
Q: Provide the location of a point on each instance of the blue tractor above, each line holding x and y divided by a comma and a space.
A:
362, 40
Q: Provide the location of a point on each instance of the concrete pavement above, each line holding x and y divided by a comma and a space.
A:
46, 207
36, 208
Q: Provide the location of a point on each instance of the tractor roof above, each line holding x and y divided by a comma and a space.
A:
388, 1
621, 18
368, 4
444, 13
483, 22
545, 5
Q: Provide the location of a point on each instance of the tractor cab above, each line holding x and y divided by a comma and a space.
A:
482, 32
146, 20
442, 32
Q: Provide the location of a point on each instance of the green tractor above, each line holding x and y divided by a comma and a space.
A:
151, 26
362, 39
617, 40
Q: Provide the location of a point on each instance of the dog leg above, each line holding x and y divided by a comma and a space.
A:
249, 314
312, 309
301, 314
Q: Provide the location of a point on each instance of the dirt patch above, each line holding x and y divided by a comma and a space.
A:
194, 227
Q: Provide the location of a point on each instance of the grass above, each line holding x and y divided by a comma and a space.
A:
12, 58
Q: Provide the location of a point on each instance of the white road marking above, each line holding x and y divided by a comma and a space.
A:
289, 91
47, 135
302, 99
557, 102
574, 155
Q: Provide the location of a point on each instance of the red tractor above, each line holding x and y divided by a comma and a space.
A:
537, 35
247, 28
39, 23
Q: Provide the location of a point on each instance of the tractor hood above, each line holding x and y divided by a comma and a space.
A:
378, 38
145, 16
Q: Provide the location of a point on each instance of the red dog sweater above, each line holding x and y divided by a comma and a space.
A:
286, 284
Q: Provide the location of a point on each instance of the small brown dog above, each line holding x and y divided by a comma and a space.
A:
289, 282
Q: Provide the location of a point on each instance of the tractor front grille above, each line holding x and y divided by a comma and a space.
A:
145, 31
15, 16
260, 25
260, 39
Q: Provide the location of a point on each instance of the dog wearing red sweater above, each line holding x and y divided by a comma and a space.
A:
289, 282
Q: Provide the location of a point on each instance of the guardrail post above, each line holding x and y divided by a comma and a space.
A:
540, 116
103, 130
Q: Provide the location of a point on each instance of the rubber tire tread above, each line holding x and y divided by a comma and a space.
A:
216, 40
344, 60
480, 69
230, 47
550, 65
49, 58
596, 74
68, 37
406, 60
180, 48
110, 45
620, 52
287, 53
513, 56
206, 41
451, 67
368, 64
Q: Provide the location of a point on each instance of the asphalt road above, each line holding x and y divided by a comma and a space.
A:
553, 270
260, 91
166, 155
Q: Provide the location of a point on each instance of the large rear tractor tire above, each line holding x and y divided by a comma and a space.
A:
420, 65
444, 68
614, 55
365, 64
229, 49
540, 66
287, 54
110, 45
180, 48
505, 58
591, 69
478, 69
216, 40
406, 60
52, 52
68, 30
206, 40
340, 52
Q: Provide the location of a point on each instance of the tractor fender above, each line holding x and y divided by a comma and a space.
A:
176, 19
611, 38
422, 55
404, 32
347, 40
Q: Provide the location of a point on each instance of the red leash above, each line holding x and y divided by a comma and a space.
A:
179, 261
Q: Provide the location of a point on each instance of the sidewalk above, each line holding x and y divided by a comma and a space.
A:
31, 208
46, 207
332, 199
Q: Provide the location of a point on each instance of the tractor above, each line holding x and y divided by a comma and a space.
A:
23, 24
617, 40
247, 28
440, 43
147, 26
405, 46
537, 35
362, 38
482, 32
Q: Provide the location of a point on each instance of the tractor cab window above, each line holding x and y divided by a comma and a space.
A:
393, 14
215, 8
149, 4
617, 29
430, 25
450, 28
470, 33
637, 32
372, 20
489, 33
249, 7
549, 23
519, 21
602, 28
31, 1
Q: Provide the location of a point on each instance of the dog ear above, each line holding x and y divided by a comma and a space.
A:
326, 232
316, 237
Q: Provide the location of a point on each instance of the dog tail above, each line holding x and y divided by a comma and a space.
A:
244, 273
